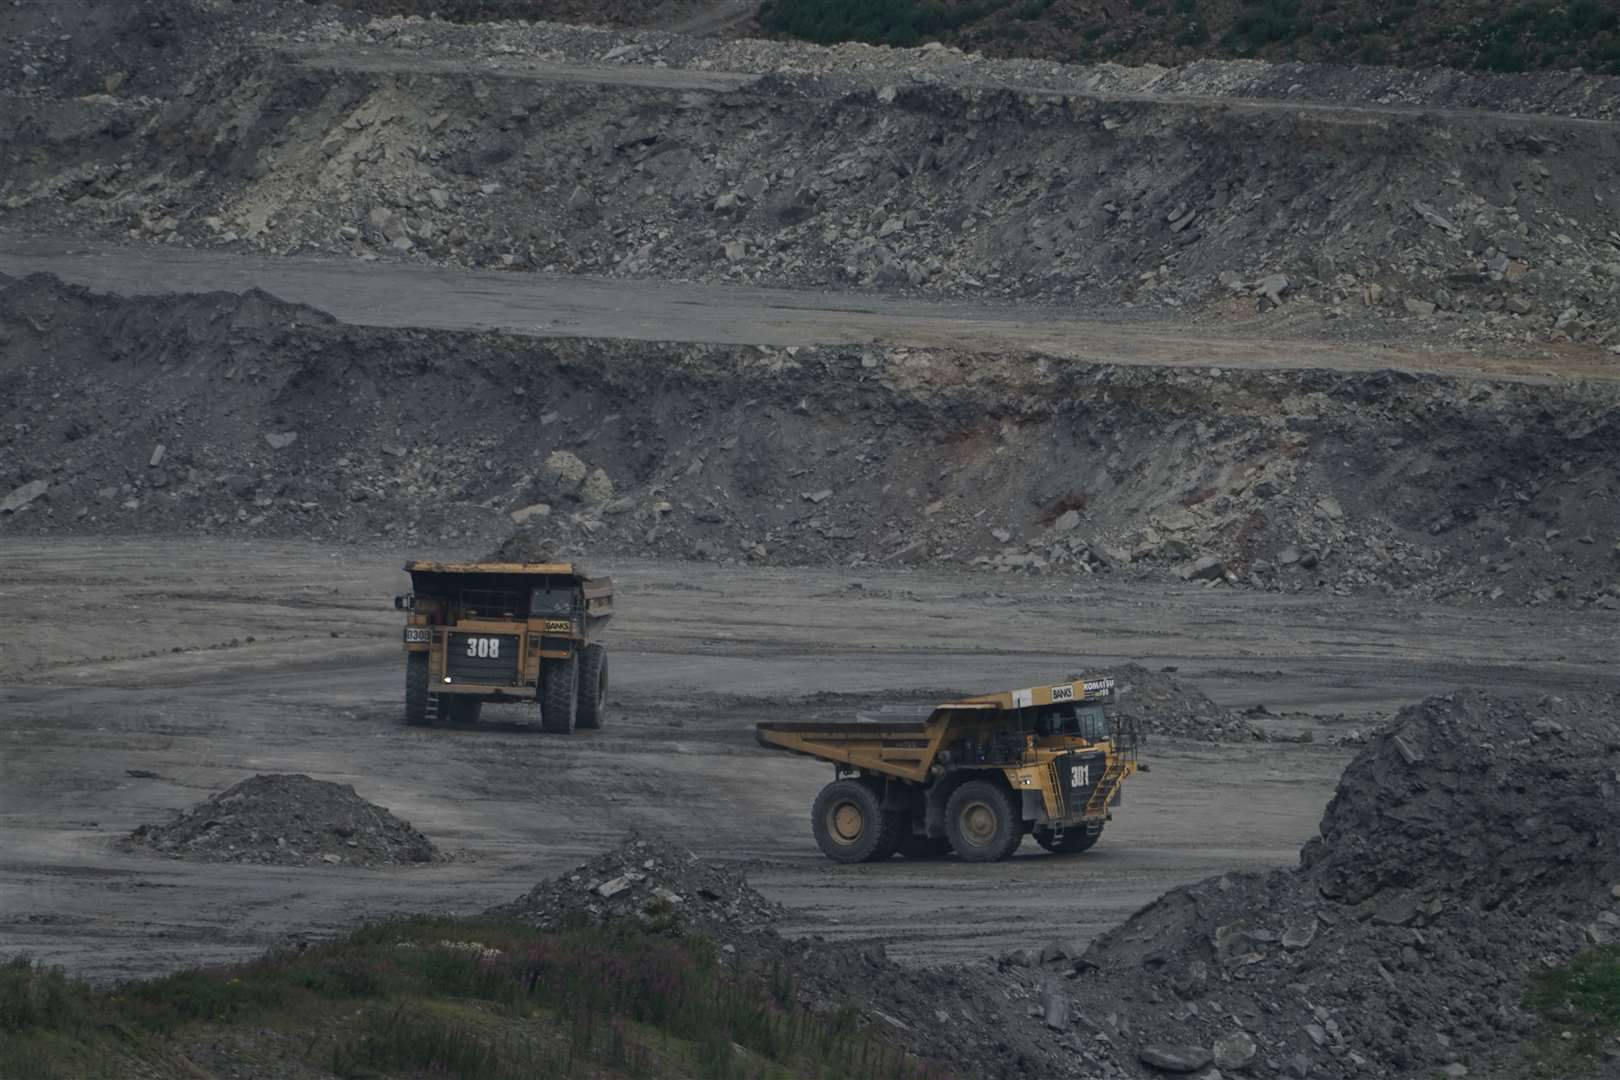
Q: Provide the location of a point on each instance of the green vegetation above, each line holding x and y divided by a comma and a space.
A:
1264, 23
1521, 35
1544, 34
1580, 1000
471, 1000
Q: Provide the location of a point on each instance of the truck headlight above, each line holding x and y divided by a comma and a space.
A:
418, 635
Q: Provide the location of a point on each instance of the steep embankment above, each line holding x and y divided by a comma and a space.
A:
1139, 191
244, 415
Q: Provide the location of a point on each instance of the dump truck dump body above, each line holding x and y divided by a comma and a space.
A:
1052, 755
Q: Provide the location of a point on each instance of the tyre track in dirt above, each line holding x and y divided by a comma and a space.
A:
701, 653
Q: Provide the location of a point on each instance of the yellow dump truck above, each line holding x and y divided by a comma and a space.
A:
512, 632
973, 778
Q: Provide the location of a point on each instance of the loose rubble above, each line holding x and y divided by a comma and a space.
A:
1470, 844
856, 455
648, 882
1165, 707
287, 820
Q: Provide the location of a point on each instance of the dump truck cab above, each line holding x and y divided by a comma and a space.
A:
974, 777
505, 632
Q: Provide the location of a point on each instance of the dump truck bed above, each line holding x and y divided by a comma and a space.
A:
907, 749
900, 748
871, 729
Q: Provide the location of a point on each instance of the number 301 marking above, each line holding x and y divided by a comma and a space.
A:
1080, 776
484, 648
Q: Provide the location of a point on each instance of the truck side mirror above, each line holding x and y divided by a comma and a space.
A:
405, 603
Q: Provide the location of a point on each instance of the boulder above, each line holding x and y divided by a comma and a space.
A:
22, 496
598, 487
1235, 1051
1175, 1059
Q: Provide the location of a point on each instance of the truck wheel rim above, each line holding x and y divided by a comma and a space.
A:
979, 823
846, 823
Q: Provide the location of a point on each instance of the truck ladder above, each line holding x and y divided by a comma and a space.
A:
1104, 791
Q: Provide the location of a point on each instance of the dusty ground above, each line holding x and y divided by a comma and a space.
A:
287, 663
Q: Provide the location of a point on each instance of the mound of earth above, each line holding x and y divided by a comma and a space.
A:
980, 1021
1165, 706
647, 881
1470, 844
288, 820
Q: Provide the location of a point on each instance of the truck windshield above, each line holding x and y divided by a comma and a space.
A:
1089, 722
547, 600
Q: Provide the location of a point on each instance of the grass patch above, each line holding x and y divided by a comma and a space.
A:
1265, 23
1542, 34
1512, 36
1580, 999
467, 999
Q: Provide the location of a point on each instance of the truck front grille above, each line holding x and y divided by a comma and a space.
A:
483, 658
1078, 776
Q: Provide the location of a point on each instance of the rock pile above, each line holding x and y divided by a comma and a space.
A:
1167, 707
287, 820
647, 882
983, 1023
1470, 844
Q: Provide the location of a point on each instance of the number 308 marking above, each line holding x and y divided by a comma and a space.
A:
484, 648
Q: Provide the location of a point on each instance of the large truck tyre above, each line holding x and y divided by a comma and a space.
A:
416, 688
593, 687
983, 822
1074, 841
559, 694
850, 824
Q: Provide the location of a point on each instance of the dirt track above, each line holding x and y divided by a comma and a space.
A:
414, 62
700, 653
404, 295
